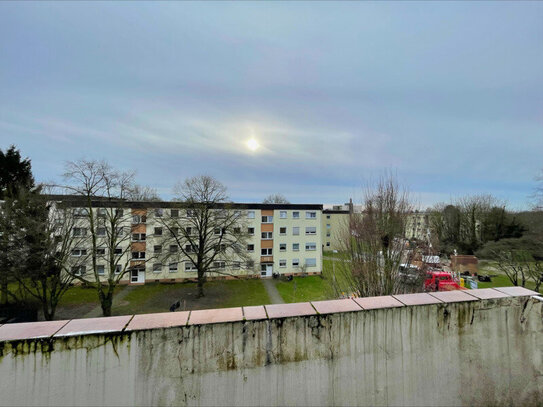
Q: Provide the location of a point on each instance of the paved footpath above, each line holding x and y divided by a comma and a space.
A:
274, 295
97, 311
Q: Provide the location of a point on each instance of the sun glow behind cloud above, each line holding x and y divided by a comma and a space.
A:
252, 144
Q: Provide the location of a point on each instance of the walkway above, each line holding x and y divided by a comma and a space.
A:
274, 295
97, 311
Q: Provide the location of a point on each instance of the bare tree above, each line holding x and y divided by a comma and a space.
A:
520, 266
374, 242
142, 193
104, 221
208, 232
275, 199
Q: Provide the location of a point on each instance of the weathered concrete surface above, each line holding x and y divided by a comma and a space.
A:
486, 352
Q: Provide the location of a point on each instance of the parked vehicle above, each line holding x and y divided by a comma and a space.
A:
441, 281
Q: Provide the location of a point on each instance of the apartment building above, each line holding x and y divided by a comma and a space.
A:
283, 239
335, 224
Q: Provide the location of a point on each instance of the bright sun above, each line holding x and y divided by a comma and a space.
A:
252, 144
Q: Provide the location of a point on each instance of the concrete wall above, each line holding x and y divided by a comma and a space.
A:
481, 348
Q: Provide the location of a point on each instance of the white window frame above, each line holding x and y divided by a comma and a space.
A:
266, 251
266, 235
250, 214
250, 250
157, 268
310, 246
311, 214
313, 263
251, 231
295, 247
267, 218
282, 214
282, 233
295, 262
296, 215
282, 247
311, 230
101, 267
190, 267
139, 255
173, 269
296, 231
283, 263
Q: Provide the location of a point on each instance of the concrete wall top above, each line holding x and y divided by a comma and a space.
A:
117, 324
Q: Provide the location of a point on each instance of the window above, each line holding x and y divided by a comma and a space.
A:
283, 230
282, 263
100, 251
327, 244
311, 230
251, 231
139, 219
311, 215
101, 212
327, 234
157, 268
250, 214
100, 231
78, 270
218, 231
327, 216
283, 214
283, 247
295, 247
158, 231
327, 226
79, 212
237, 231
219, 265
250, 264
174, 232
138, 255
79, 231
266, 252
267, 235
120, 231
172, 268
79, 252
118, 250
159, 212
157, 249
310, 247
174, 213
296, 230
250, 247
267, 219
189, 266
295, 262
119, 213
138, 237
296, 215
237, 214
173, 248
311, 262
236, 265
101, 269
191, 213
190, 248
118, 269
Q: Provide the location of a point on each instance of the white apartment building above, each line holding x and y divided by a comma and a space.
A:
280, 238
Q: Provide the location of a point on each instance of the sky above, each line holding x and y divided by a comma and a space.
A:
447, 95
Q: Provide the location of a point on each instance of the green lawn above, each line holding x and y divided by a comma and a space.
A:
300, 289
157, 297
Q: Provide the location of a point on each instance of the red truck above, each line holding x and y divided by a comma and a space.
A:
441, 281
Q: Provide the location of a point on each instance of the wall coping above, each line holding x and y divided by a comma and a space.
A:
127, 323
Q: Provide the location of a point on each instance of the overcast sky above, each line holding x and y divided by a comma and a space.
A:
449, 95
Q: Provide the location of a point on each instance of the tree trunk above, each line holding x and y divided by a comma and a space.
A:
106, 302
201, 280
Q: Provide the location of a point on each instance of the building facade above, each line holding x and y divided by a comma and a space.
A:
284, 239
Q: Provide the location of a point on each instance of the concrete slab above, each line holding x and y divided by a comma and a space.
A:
383, 301
516, 291
89, 326
417, 299
30, 330
214, 316
290, 310
453, 296
159, 320
333, 306
255, 312
487, 293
